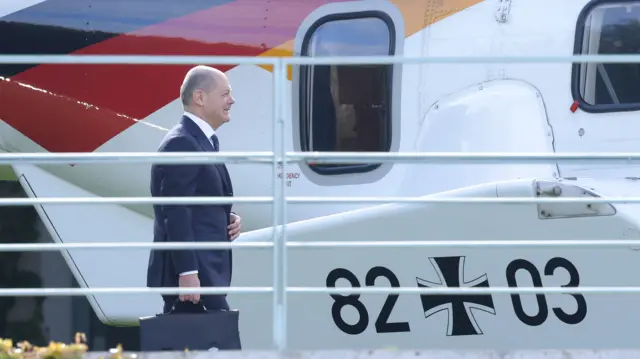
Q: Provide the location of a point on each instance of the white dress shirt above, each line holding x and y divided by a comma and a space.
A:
205, 127
208, 132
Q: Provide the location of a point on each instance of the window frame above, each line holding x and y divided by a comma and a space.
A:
392, 16
575, 67
305, 99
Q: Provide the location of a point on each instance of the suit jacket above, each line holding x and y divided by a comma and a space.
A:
178, 223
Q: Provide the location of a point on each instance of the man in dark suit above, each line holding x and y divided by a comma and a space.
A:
206, 98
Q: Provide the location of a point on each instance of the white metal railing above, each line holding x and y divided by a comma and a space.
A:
300, 199
49, 247
279, 243
286, 61
266, 157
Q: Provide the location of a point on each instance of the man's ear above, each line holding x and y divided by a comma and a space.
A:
198, 97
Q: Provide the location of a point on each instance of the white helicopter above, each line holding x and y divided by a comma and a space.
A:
430, 107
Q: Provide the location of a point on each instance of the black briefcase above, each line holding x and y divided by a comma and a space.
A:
190, 326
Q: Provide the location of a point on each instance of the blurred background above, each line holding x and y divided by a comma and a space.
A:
42, 319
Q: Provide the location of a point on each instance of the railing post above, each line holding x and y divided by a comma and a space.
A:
282, 79
279, 208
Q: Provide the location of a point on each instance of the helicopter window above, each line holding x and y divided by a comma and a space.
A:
347, 107
608, 28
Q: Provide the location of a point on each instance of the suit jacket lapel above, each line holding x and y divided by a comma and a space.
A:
226, 178
195, 131
206, 145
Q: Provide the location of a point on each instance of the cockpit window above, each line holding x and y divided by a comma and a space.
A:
608, 28
346, 107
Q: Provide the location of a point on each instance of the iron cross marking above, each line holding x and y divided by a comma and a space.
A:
450, 271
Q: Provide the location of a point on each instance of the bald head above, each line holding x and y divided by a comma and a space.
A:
206, 93
198, 78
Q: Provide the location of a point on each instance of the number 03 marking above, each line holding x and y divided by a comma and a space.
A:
543, 308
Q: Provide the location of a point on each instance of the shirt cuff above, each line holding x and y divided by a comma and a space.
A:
189, 272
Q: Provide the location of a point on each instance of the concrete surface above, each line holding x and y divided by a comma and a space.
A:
384, 354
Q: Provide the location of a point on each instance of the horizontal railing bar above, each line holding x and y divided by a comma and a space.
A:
306, 60
133, 200
462, 200
137, 157
459, 158
38, 292
468, 290
45, 247
267, 157
136, 60
468, 243
385, 60
332, 200
28, 292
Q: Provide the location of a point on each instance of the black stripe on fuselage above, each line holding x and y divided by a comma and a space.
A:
64, 26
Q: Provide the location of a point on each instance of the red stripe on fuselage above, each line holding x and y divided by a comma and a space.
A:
83, 106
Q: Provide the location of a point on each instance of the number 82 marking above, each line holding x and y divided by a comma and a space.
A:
382, 323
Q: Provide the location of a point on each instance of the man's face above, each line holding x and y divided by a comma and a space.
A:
218, 101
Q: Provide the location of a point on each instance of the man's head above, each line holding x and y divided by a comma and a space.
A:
206, 93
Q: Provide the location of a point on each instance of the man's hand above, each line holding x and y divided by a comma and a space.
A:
234, 227
189, 281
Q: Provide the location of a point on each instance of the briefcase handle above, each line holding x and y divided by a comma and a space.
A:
180, 307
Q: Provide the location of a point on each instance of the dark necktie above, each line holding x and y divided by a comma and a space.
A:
222, 166
216, 143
